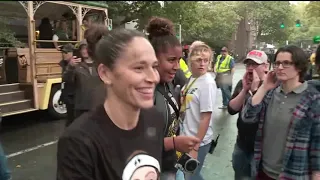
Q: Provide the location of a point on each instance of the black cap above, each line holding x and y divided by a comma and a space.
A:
67, 48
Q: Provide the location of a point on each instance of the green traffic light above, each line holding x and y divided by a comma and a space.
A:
316, 39
298, 24
282, 26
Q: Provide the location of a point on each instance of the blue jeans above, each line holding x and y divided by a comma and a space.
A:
226, 93
180, 175
202, 153
243, 164
5, 173
168, 175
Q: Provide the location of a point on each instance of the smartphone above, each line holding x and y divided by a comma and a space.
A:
76, 52
275, 79
76, 59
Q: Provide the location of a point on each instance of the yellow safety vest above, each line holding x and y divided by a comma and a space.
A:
184, 68
313, 58
224, 66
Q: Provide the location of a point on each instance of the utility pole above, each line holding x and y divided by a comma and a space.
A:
180, 29
180, 39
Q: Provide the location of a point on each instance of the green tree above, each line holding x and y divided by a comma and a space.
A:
199, 20
266, 17
122, 12
211, 25
310, 25
7, 37
313, 9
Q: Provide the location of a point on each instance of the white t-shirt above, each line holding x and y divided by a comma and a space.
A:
55, 38
201, 97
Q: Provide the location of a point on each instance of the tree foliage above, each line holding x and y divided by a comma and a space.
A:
199, 20
266, 17
214, 22
310, 25
7, 37
313, 9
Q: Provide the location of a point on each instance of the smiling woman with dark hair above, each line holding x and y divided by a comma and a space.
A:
97, 145
168, 53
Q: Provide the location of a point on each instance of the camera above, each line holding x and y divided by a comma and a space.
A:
214, 144
186, 163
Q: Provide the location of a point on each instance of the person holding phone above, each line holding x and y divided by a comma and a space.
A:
67, 89
286, 108
256, 63
81, 73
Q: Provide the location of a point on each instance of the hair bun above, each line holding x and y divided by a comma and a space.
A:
93, 35
160, 27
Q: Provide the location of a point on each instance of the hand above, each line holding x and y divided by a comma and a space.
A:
255, 81
185, 143
194, 154
74, 61
246, 81
270, 82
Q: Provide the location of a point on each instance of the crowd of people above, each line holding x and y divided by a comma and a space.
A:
131, 117
148, 127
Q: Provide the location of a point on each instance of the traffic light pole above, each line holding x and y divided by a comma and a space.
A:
180, 29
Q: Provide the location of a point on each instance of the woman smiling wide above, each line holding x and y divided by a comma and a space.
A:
97, 145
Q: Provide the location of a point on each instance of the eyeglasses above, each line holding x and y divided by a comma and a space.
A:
285, 64
253, 64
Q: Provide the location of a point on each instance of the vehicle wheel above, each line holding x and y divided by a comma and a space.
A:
56, 110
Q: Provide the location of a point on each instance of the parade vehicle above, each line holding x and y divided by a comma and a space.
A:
30, 76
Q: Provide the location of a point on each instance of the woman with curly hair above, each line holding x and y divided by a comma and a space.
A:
168, 52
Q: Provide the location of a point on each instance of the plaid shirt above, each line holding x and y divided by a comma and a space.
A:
302, 150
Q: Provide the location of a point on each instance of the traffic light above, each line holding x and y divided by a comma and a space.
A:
282, 25
316, 39
298, 24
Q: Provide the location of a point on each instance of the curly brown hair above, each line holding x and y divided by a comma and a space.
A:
161, 34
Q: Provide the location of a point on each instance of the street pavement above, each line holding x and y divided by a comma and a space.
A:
29, 140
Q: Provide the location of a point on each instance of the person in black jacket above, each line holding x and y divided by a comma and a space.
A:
67, 94
85, 79
168, 51
242, 158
